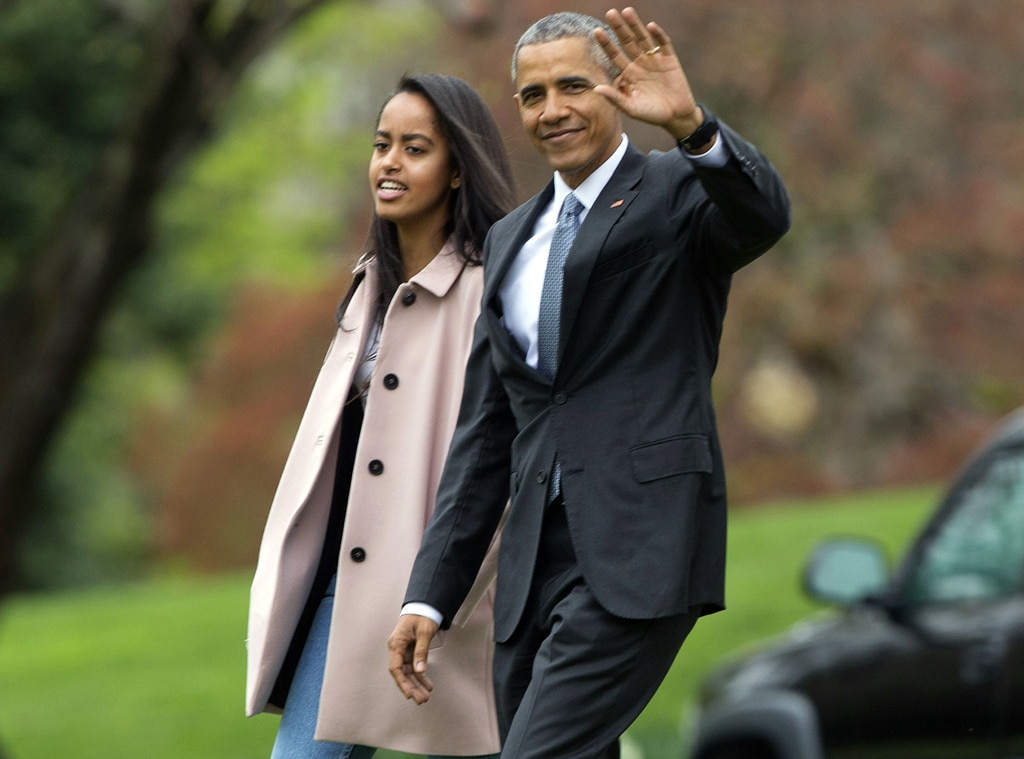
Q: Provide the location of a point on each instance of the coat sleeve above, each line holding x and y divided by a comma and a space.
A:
473, 491
484, 579
747, 209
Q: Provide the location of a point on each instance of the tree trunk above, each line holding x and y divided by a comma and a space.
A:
49, 321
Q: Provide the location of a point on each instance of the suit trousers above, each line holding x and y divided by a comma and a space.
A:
573, 677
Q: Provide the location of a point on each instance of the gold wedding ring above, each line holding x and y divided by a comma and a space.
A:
653, 50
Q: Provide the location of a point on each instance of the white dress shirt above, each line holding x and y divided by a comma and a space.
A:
520, 289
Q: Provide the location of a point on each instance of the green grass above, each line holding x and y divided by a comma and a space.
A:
157, 670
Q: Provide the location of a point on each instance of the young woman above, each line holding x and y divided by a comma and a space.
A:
358, 486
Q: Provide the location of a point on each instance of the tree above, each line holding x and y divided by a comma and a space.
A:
53, 303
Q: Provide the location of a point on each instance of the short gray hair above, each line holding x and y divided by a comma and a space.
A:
559, 26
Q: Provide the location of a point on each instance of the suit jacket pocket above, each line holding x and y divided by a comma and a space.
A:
637, 255
685, 454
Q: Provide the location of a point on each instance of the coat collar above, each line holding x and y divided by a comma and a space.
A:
441, 274
437, 277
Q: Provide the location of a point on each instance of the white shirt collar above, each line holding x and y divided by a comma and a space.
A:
592, 186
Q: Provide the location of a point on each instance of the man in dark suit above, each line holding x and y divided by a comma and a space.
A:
597, 422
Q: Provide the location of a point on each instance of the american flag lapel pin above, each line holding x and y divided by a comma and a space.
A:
616, 204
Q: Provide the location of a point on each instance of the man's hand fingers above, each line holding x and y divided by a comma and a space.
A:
422, 650
651, 85
660, 40
414, 686
408, 648
630, 26
612, 50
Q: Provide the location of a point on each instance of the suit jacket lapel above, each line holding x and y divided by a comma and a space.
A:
614, 199
513, 232
503, 251
585, 251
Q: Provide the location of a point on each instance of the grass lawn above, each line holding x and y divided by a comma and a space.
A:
156, 670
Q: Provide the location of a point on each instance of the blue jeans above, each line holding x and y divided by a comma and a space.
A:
298, 723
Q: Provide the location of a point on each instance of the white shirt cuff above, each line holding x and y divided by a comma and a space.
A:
716, 157
423, 610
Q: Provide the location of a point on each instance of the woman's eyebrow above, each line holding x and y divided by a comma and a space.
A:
407, 137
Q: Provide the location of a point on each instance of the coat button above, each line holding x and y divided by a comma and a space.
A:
358, 554
390, 381
542, 477
409, 298
561, 398
376, 466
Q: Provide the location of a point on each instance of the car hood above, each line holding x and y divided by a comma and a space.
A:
815, 644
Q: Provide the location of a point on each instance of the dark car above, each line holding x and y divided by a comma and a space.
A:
925, 664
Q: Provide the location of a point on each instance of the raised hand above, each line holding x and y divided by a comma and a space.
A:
652, 86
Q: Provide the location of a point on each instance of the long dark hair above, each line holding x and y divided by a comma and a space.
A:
477, 150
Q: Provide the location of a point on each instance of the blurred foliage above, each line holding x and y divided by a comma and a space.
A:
869, 348
65, 70
885, 315
267, 200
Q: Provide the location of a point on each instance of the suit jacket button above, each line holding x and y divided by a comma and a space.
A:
409, 298
390, 381
561, 398
376, 467
542, 477
358, 554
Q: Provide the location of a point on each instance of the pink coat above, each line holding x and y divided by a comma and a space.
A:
407, 427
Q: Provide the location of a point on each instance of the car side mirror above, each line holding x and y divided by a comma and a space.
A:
844, 571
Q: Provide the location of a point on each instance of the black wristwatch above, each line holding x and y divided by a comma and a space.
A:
703, 134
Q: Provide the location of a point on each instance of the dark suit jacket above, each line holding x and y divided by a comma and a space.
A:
629, 411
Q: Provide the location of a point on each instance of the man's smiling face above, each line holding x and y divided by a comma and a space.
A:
573, 127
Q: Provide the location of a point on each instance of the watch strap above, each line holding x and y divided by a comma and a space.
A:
702, 135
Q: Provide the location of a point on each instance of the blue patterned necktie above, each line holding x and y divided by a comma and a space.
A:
551, 294
551, 306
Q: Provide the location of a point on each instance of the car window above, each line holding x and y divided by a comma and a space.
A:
978, 552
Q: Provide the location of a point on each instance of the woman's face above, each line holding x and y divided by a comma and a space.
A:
411, 176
